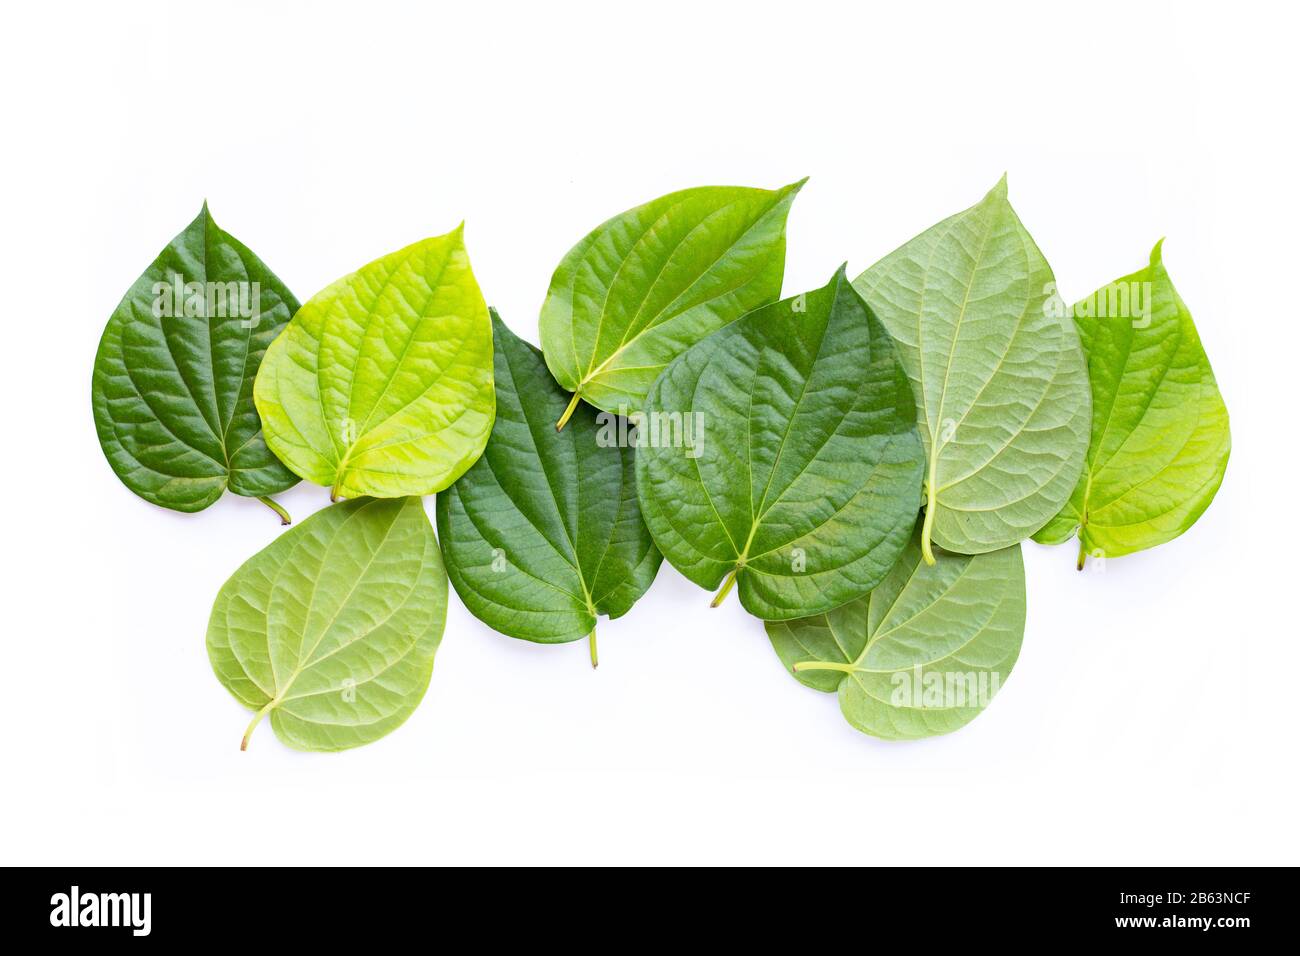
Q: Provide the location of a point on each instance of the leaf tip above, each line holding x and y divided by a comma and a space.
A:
1157, 252
796, 186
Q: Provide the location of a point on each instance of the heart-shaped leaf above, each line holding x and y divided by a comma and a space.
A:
544, 532
1160, 437
1000, 381
782, 451
924, 652
382, 383
332, 628
173, 382
646, 285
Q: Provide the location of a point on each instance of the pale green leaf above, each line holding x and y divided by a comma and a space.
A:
923, 653
382, 383
331, 629
1000, 382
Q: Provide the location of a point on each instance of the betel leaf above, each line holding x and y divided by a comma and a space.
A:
651, 282
331, 630
544, 532
924, 652
1000, 382
782, 452
382, 383
1160, 438
172, 389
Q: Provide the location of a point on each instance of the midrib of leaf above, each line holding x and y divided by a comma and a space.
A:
420, 319
931, 491
604, 308
550, 483
989, 381
667, 314
604, 303
975, 635
305, 662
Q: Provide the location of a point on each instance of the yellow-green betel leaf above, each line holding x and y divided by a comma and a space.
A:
544, 532
924, 652
331, 630
1000, 380
173, 384
382, 383
1160, 437
643, 287
782, 453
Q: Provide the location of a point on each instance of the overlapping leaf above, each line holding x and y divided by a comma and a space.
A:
782, 452
651, 282
544, 532
924, 652
1000, 381
382, 383
332, 629
1160, 437
173, 382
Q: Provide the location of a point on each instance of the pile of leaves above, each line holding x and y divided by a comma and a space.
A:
860, 462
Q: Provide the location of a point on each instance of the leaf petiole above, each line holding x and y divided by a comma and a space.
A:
727, 585
823, 666
276, 507
568, 412
252, 724
928, 525
591, 638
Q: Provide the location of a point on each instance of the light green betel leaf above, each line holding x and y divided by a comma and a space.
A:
544, 532
1000, 380
1160, 436
651, 282
923, 653
331, 630
781, 453
382, 383
173, 385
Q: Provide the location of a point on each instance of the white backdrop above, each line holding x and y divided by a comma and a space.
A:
1151, 716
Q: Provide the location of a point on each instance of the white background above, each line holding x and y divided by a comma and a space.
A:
1152, 715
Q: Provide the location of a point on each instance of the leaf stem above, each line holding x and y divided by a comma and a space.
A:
823, 666
591, 638
252, 724
1083, 553
276, 507
928, 525
334, 491
568, 412
727, 585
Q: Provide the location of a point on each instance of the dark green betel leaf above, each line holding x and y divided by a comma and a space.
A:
1000, 381
924, 652
651, 282
782, 452
173, 384
1160, 437
544, 532
332, 628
